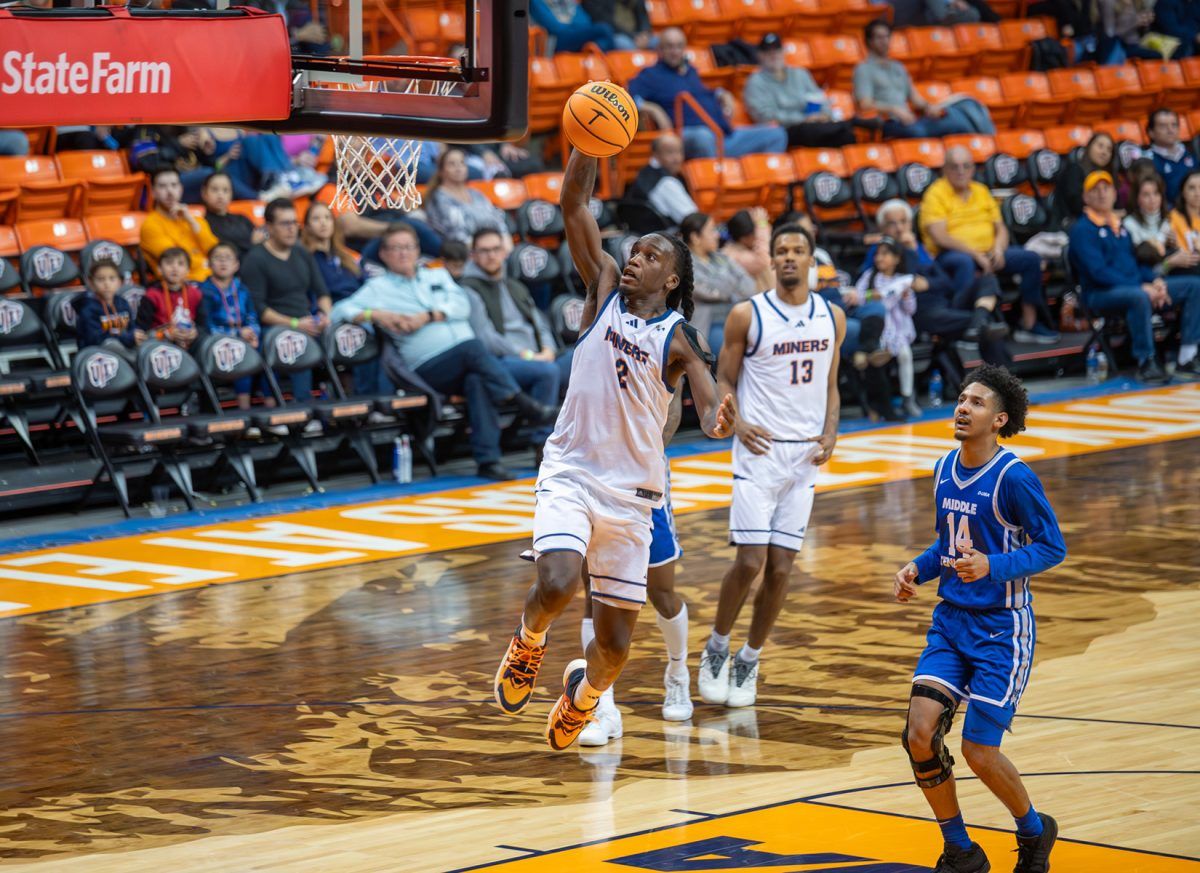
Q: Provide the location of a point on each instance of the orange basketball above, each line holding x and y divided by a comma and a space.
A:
600, 119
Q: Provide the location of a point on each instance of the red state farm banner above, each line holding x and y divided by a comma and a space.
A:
109, 67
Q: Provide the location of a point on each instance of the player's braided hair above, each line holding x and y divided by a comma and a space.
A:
680, 299
1013, 397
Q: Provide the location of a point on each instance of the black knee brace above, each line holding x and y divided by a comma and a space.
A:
942, 763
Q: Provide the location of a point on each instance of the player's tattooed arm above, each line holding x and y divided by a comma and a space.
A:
729, 369
833, 400
596, 267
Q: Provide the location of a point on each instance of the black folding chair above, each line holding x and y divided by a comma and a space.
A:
533, 265
540, 219
872, 188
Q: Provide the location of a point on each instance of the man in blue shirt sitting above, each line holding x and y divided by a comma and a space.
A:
1103, 258
1171, 157
426, 316
656, 87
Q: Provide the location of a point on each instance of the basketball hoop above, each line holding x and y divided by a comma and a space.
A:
380, 172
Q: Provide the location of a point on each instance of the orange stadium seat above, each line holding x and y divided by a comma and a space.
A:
255, 210
1019, 143
706, 65
901, 51
9, 247
660, 14
65, 234
1124, 129
809, 17
773, 175
8, 196
624, 65
719, 187
123, 229
544, 186
872, 154
855, 15
990, 56
41, 139
1135, 99
507, 194
841, 102
1019, 33
943, 59
1168, 78
1038, 107
1190, 67
753, 19
834, 59
1078, 86
1067, 138
928, 152
703, 21
579, 68
434, 30
108, 184
933, 92
635, 156
981, 146
43, 193
810, 161
797, 53
548, 94
987, 91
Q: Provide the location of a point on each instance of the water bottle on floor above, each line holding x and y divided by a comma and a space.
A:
1093, 365
402, 459
935, 389
1101, 366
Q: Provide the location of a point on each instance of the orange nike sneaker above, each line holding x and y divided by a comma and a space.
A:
518, 671
566, 720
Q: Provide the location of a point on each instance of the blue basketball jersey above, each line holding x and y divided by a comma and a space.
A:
998, 509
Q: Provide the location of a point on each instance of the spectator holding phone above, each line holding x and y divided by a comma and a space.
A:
172, 225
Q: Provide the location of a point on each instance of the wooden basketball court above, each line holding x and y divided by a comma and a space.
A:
339, 718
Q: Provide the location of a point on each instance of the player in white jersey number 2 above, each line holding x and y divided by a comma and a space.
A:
781, 356
603, 469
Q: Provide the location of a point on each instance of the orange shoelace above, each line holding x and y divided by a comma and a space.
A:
523, 667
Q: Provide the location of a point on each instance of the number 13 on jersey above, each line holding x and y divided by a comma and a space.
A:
802, 371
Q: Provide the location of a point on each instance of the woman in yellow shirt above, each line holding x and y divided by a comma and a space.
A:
172, 225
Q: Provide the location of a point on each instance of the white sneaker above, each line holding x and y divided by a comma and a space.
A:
604, 726
677, 702
743, 684
714, 676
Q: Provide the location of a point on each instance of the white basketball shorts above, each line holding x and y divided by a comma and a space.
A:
772, 495
574, 514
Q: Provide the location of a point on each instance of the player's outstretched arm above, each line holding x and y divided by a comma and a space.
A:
729, 370
833, 399
718, 415
596, 267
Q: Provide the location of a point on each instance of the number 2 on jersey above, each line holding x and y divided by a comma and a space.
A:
623, 374
807, 366
960, 540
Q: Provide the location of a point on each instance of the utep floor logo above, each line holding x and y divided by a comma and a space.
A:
734, 853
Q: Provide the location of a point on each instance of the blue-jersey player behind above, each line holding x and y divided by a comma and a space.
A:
996, 530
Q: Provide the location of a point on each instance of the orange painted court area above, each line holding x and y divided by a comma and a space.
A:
237, 551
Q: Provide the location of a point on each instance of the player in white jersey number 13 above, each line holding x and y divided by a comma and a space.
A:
603, 470
781, 357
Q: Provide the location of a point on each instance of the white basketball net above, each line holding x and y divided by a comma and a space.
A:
380, 172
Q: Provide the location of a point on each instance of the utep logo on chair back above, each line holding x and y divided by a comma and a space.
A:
165, 360
101, 368
826, 186
873, 183
290, 345
532, 260
228, 353
541, 216
1007, 168
350, 339
11, 315
108, 251
47, 262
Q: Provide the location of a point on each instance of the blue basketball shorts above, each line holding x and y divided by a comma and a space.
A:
984, 657
664, 542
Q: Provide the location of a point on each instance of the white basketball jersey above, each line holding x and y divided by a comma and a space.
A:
789, 350
611, 423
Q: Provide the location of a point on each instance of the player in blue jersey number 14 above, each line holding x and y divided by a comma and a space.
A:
996, 530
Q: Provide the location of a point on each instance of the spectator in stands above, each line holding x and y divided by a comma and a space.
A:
172, 225
1172, 158
882, 85
510, 326
307, 32
949, 12
749, 245
569, 24
898, 291
228, 308
456, 210
337, 262
1099, 154
718, 281
1076, 19
965, 312
629, 20
238, 230
659, 186
655, 89
959, 216
778, 94
1185, 220
454, 258
1180, 19
1122, 23
286, 285
1155, 242
13, 143
173, 309
1112, 281
425, 315
102, 312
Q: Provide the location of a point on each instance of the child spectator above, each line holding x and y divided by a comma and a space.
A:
227, 307
172, 309
228, 227
1150, 231
102, 312
454, 258
896, 290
